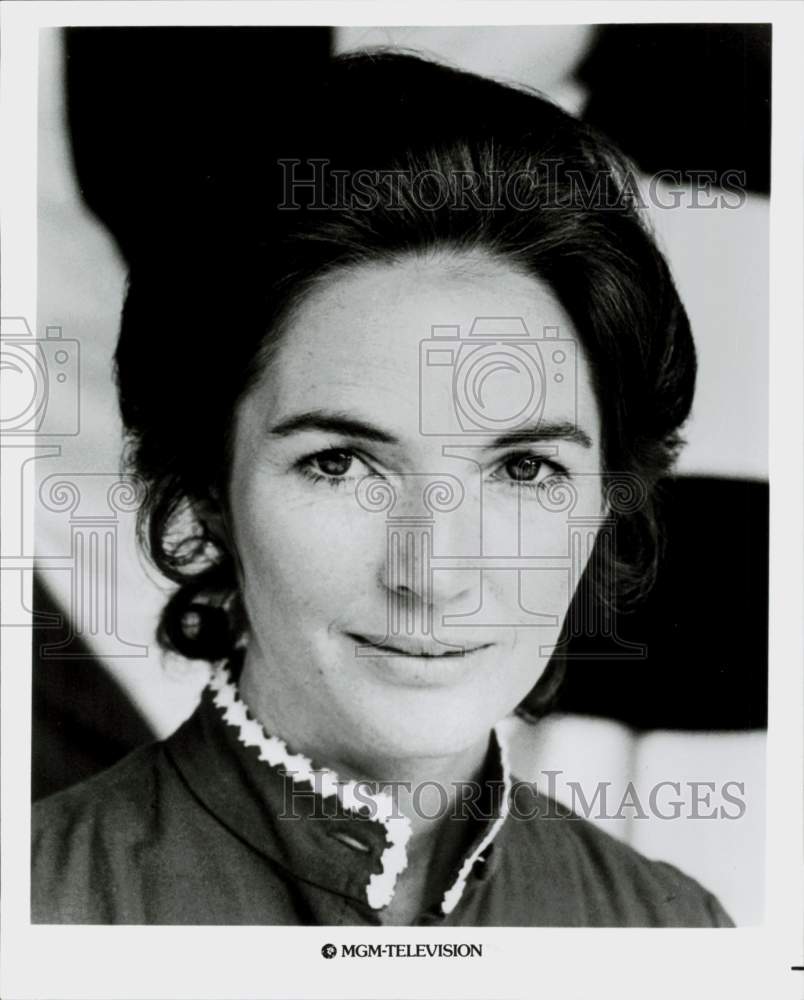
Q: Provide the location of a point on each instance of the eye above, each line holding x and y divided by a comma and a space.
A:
524, 468
334, 464
529, 471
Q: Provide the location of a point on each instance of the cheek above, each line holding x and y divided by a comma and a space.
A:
545, 592
300, 557
557, 546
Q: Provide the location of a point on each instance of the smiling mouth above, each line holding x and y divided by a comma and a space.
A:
416, 650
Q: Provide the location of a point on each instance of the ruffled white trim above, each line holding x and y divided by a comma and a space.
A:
274, 751
394, 859
453, 894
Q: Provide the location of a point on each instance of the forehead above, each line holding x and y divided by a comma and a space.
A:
356, 341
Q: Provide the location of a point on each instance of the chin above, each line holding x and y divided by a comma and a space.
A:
427, 723
430, 742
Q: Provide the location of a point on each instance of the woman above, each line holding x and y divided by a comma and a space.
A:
385, 402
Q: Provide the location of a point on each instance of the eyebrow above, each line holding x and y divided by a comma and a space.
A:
334, 423
560, 430
339, 423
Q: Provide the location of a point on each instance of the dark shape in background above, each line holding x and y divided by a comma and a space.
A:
83, 721
685, 96
705, 623
155, 112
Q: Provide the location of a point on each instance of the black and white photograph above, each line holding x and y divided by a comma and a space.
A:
390, 415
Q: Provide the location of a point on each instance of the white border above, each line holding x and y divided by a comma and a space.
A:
200, 963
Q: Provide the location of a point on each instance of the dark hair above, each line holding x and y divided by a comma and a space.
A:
408, 156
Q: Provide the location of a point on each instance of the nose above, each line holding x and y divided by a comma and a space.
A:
414, 543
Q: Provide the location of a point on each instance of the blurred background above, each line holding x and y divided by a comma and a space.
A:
129, 118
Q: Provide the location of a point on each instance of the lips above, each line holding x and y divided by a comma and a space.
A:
417, 648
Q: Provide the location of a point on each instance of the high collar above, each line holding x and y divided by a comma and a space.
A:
322, 829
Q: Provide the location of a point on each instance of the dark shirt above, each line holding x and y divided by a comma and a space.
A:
204, 828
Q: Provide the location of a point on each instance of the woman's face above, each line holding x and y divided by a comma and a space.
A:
411, 629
